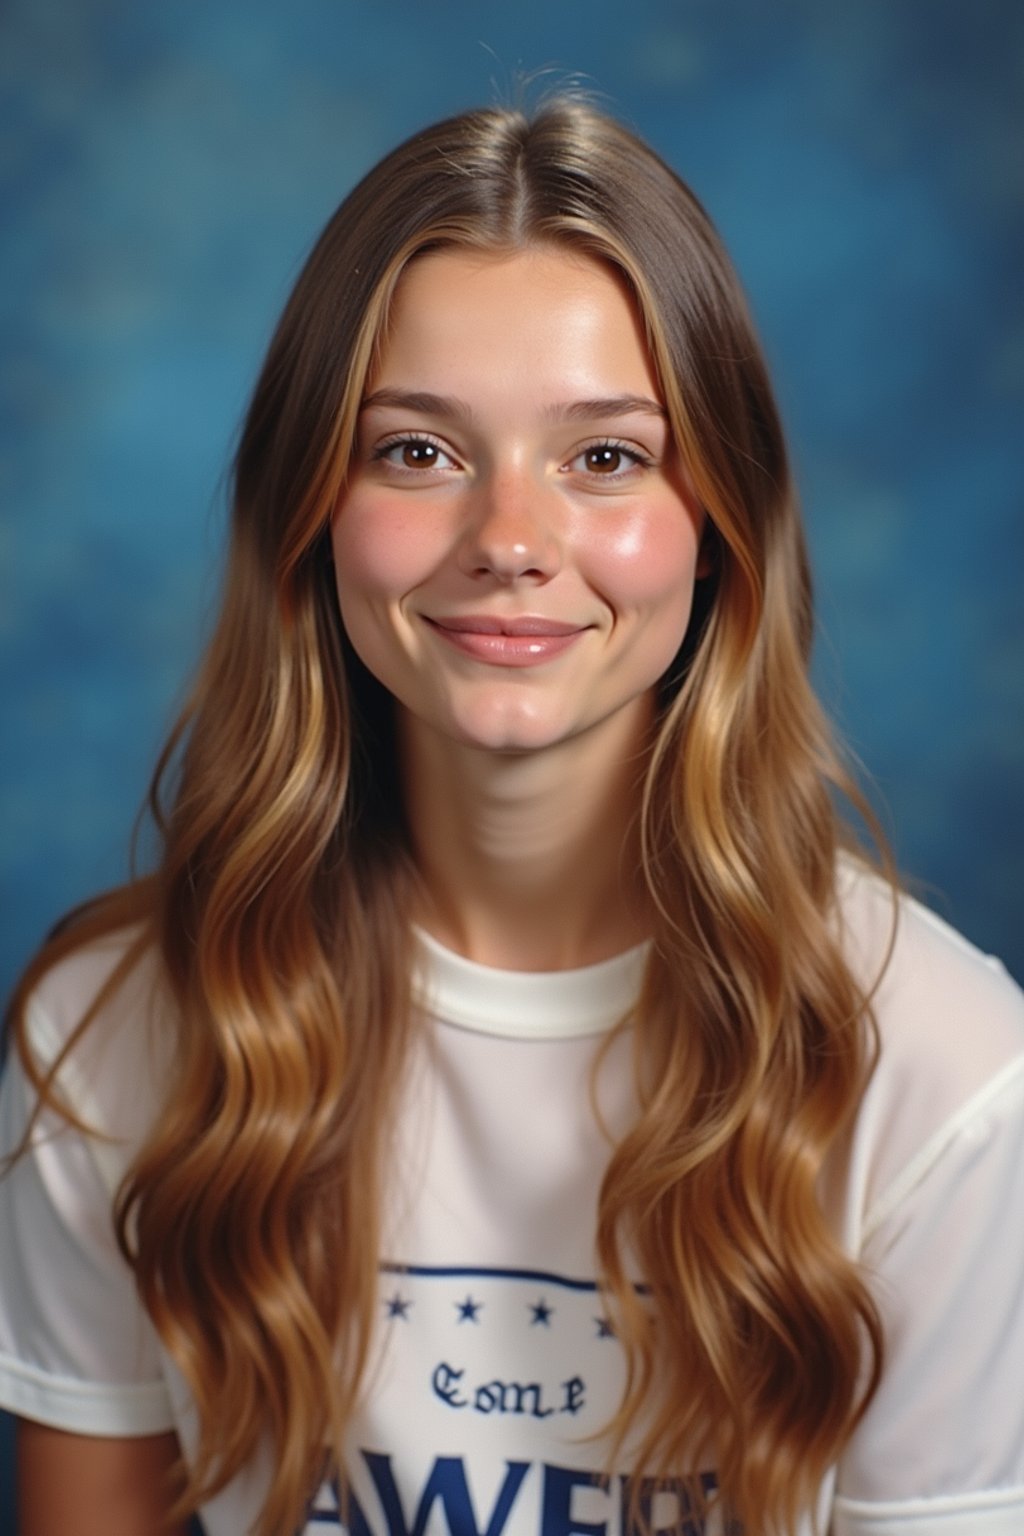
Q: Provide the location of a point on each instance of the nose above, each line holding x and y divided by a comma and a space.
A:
510, 532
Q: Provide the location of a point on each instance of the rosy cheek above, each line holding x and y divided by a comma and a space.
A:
643, 556
382, 547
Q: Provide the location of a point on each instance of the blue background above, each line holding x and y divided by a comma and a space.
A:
164, 169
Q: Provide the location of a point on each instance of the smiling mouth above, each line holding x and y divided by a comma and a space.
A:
484, 624
518, 642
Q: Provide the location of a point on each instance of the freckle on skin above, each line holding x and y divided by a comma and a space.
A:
521, 338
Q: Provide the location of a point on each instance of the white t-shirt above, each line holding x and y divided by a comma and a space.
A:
495, 1360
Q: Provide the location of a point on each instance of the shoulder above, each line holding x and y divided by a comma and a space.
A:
928, 1194
933, 992
950, 1024
76, 1350
111, 1074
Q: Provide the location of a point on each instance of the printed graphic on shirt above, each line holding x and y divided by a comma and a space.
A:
484, 1414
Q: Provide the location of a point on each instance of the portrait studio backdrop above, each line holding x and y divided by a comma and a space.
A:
165, 169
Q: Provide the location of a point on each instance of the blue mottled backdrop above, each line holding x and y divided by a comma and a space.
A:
164, 168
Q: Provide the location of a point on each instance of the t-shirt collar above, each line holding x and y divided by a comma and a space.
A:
537, 1005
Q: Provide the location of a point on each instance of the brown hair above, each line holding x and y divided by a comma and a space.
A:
280, 909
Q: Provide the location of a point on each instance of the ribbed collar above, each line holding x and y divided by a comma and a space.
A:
532, 1005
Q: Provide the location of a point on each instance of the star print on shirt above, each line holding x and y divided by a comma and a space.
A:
604, 1328
398, 1306
541, 1312
468, 1310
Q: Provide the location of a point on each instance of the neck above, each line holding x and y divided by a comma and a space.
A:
528, 861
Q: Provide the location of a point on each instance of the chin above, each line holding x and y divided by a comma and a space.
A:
510, 736
511, 743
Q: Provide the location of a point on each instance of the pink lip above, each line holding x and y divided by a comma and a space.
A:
519, 642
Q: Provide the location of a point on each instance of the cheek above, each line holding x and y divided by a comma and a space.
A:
646, 564
380, 551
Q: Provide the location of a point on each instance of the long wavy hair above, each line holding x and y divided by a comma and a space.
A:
280, 908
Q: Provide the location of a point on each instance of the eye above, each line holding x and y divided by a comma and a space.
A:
411, 453
608, 461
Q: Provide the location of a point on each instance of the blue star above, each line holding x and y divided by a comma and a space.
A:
398, 1306
541, 1313
468, 1310
604, 1328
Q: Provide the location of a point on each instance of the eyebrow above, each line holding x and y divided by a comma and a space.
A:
427, 404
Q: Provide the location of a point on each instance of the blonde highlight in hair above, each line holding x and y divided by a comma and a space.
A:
281, 908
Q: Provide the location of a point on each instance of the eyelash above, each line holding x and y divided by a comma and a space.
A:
408, 440
636, 458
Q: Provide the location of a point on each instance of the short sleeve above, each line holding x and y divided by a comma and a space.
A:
77, 1350
940, 1451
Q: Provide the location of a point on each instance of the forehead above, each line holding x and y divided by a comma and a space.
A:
567, 318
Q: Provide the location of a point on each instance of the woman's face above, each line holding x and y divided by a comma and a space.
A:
517, 544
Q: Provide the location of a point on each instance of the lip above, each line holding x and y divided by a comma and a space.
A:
488, 624
524, 641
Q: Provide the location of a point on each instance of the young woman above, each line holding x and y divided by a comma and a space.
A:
506, 1109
